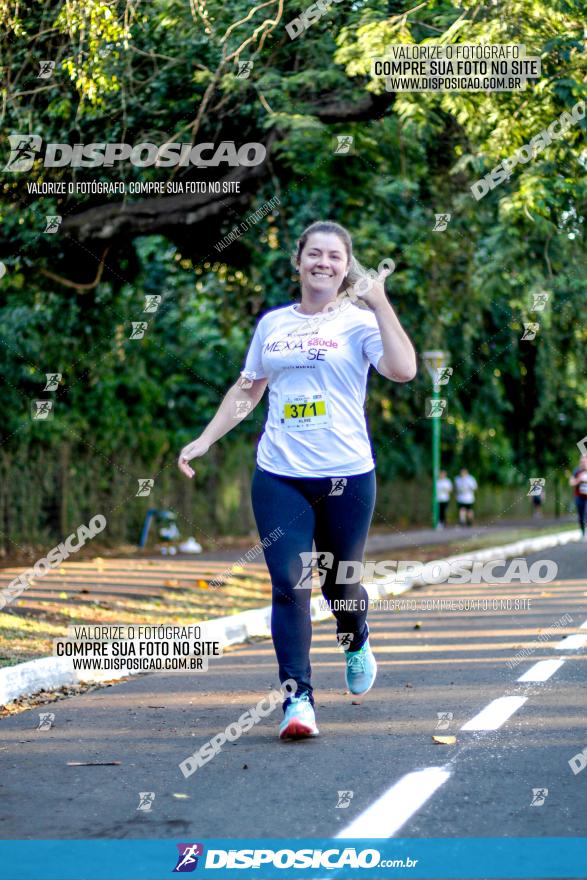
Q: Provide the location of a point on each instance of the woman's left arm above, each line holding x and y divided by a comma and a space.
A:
398, 361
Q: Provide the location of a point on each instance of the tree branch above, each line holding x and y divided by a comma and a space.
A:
75, 284
366, 108
159, 214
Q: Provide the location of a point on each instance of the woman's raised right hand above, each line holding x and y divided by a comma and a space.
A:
195, 449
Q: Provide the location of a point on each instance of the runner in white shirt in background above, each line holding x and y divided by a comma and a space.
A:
466, 486
443, 490
314, 483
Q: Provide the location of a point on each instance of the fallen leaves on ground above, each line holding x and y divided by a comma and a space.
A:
92, 763
22, 704
444, 740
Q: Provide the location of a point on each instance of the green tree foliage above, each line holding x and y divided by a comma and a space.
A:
167, 71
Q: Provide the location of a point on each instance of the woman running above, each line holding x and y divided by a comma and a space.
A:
315, 474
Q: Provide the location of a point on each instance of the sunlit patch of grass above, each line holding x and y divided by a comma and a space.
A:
26, 632
27, 629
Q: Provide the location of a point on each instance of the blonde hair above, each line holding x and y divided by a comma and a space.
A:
355, 271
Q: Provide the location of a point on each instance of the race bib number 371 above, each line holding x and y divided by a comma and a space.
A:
302, 412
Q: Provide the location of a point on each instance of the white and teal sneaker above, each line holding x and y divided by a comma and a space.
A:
299, 719
361, 669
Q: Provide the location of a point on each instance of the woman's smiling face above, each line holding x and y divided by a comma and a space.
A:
323, 263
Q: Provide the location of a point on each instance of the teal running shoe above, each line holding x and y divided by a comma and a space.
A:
299, 720
361, 669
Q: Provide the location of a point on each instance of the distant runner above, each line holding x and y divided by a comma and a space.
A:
537, 500
465, 486
579, 482
443, 491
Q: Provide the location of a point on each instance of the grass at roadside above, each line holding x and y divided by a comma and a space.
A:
114, 592
140, 591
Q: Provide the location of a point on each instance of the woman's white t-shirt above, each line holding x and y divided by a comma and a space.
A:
316, 367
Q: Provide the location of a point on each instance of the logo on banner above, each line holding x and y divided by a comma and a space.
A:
343, 144
310, 559
26, 148
344, 640
53, 222
146, 799
187, 859
338, 484
46, 720
344, 799
46, 69
441, 222
244, 69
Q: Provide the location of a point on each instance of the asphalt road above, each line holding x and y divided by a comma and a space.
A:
383, 539
380, 747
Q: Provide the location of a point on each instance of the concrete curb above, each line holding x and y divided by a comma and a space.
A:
48, 673
510, 551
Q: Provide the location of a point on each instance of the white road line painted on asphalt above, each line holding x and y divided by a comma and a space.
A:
495, 714
583, 625
571, 643
542, 670
398, 804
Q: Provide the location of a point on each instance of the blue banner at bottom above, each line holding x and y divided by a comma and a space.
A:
475, 858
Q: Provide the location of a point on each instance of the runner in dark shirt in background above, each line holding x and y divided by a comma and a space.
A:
579, 482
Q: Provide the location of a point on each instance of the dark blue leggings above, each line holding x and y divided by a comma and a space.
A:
581, 503
308, 509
